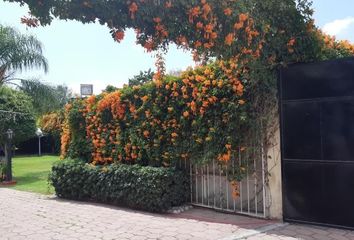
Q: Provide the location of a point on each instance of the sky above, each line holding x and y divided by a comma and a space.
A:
86, 54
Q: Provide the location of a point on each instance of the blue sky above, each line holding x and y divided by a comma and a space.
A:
80, 53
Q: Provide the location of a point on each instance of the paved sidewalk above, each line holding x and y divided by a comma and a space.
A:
303, 232
37, 217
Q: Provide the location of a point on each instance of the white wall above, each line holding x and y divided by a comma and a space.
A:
275, 180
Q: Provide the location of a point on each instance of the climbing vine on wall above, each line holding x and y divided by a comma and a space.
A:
198, 116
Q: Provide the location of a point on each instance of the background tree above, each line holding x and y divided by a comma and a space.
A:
46, 98
18, 52
48, 102
16, 113
110, 88
50, 124
141, 78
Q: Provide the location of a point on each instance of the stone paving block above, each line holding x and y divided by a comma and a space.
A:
36, 217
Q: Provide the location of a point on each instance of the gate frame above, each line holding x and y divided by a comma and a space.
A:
264, 213
281, 124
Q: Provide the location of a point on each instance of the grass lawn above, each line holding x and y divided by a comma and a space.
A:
31, 173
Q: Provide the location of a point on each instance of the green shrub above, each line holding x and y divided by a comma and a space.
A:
146, 188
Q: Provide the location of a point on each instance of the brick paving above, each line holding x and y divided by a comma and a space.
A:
32, 216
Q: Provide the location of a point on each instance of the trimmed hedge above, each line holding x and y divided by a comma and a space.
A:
146, 188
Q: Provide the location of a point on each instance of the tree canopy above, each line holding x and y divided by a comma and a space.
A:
270, 32
217, 28
17, 114
141, 78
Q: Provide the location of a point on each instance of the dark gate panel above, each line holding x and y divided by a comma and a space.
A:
317, 135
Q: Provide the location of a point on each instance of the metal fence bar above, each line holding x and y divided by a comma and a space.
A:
191, 176
241, 199
214, 183
208, 184
263, 182
202, 172
227, 186
233, 171
196, 184
255, 186
220, 187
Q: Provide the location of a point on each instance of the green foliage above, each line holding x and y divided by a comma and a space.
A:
80, 146
141, 78
23, 124
146, 188
110, 89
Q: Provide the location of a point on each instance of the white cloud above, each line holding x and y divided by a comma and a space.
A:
338, 26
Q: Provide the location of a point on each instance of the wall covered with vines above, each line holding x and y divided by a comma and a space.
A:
200, 116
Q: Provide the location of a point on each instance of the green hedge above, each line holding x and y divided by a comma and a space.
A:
139, 187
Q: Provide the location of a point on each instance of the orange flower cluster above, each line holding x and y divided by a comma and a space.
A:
65, 134
235, 189
133, 8
112, 102
51, 123
233, 72
160, 29
119, 35
330, 42
207, 35
166, 121
101, 133
291, 44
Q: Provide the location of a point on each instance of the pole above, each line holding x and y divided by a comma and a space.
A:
39, 146
8, 161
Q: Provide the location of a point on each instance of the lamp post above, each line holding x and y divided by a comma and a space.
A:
9, 134
39, 134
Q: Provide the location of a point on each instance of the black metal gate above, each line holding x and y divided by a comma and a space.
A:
317, 135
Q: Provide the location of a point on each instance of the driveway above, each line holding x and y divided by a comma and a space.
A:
33, 216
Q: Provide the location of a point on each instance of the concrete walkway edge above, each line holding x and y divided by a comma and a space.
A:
252, 232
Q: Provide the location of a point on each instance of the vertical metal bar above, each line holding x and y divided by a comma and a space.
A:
196, 184
208, 183
214, 193
263, 181
240, 163
255, 181
220, 187
191, 173
202, 171
227, 187
233, 171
